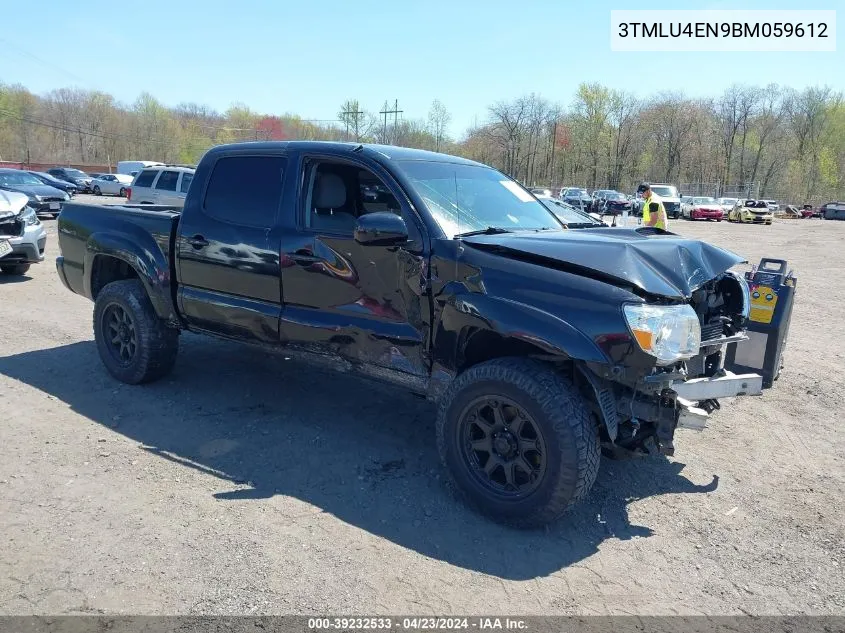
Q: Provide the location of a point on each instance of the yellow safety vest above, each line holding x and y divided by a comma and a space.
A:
661, 212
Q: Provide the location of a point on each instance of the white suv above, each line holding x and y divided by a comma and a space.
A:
164, 184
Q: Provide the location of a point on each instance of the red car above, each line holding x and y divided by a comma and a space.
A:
704, 209
809, 212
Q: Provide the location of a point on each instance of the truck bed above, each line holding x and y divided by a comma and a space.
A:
83, 228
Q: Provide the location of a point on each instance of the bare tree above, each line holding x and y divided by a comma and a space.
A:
438, 123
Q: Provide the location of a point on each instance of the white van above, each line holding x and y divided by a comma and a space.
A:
132, 167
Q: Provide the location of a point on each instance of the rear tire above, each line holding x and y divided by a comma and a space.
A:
543, 426
134, 344
15, 269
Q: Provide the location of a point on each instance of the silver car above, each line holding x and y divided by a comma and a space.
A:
111, 185
22, 236
161, 185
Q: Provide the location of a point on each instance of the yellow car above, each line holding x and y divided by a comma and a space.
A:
751, 212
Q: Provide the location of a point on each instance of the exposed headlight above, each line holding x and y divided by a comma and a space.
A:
746, 293
669, 333
29, 217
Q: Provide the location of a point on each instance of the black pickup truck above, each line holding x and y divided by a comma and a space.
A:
542, 342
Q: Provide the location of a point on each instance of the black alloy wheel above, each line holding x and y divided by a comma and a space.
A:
503, 446
121, 336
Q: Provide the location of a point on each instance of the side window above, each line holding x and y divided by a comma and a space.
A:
245, 189
145, 178
337, 194
187, 177
167, 181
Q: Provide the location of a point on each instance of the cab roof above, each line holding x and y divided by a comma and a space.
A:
380, 152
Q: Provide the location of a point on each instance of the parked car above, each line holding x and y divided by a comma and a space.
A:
774, 205
614, 203
577, 197
42, 198
62, 185
541, 191
72, 175
809, 211
751, 212
538, 343
22, 236
703, 208
161, 185
727, 204
833, 211
670, 197
111, 185
597, 199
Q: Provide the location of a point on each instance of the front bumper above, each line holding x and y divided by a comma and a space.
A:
47, 206
706, 215
27, 248
690, 393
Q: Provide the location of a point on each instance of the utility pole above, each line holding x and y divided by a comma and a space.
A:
395, 112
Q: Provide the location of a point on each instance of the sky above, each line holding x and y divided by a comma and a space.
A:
307, 58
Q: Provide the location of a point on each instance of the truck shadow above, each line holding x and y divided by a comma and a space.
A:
365, 453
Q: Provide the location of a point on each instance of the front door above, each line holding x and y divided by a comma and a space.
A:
367, 304
228, 249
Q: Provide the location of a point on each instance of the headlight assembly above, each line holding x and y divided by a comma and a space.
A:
29, 217
669, 333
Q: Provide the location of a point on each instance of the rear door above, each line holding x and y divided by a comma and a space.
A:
165, 187
228, 248
142, 187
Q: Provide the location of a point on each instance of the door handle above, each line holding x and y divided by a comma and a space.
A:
303, 258
198, 242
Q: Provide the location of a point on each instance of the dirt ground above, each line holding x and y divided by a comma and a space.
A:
247, 484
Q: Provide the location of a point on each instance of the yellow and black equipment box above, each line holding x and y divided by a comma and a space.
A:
772, 287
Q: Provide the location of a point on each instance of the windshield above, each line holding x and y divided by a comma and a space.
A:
704, 200
727, 200
616, 196
11, 179
569, 214
463, 198
75, 173
664, 192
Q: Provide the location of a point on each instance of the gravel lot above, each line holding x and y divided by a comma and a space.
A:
244, 483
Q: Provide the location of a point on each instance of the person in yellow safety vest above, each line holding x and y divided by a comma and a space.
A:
656, 219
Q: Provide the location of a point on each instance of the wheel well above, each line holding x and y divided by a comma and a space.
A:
107, 269
483, 345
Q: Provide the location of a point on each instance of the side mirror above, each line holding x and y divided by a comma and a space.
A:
653, 207
381, 229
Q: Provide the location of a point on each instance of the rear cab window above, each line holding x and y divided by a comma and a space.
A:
245, 190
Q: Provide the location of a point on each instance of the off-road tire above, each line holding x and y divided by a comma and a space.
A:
560, 411
157, 344
15, 269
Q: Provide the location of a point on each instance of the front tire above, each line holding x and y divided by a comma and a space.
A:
134, 344
122, 192
97, 191
15, 269
518, 441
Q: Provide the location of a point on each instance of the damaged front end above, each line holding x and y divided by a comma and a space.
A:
642, 408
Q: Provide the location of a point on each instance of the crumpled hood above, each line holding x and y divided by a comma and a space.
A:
665, 265
11, 203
